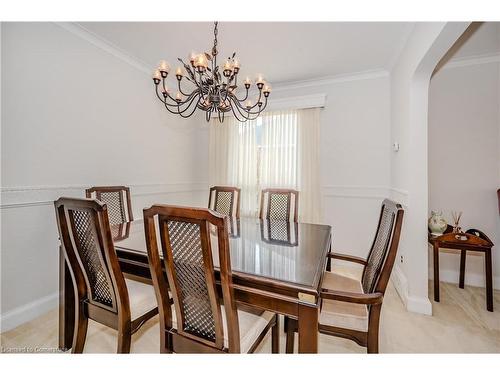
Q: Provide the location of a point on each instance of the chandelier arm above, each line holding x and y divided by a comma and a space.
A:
164, 100
189, 98
245, 113
180, 89
248, 110
237, 117
241, 100
190, 114
168, 109
175, 103
182, 110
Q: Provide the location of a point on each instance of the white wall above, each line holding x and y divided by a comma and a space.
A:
464, 128
354, 153
410, 78
76, 115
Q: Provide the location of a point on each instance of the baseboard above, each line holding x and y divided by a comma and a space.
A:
471, 279
420, 305
13, 318
417, 304
400, 283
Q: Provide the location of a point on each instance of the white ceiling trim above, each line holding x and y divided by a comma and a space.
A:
297, 102
293, 85
105, 45
401, 45
472, 60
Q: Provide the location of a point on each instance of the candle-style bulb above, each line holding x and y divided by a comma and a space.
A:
156, 76
163, 66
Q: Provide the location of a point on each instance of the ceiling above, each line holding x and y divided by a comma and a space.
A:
481, 38
281, 51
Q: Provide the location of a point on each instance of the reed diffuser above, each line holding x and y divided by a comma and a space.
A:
456, 221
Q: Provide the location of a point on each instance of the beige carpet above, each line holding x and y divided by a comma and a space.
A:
460, 324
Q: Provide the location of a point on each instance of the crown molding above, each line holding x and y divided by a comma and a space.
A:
400, 46
105, 45
329, 80
487, 58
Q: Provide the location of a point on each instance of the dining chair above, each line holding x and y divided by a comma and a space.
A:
101, 291
225, 200
117, 199
204, 316
351, 307
279, 204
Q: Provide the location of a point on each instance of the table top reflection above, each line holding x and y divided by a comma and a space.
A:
285, 252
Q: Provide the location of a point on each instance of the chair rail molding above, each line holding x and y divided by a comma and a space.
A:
26, 196
399, 195
345, 191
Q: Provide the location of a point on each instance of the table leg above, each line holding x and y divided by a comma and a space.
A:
463, 255
66, 305
436, 272
489, 280
308, 327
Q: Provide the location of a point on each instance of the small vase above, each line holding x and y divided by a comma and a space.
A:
437, 223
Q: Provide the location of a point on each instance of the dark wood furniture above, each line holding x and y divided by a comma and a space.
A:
205, 318
282, 279
471, 240
117, 198
498, 196
350, 307
279, 204
225, 200
102, 293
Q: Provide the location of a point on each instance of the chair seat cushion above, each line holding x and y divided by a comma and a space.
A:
251, 326
142, 298
343, 314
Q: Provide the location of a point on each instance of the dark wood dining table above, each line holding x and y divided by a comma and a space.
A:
276, 266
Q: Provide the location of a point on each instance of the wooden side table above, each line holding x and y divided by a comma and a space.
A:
472, 240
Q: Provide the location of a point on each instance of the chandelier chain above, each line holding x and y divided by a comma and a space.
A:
214, 49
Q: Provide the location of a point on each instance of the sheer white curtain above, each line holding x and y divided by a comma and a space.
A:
279, 149
310, 202
233, 159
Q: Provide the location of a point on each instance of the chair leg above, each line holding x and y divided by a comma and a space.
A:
329, 260
124, 339
373, 328
290, 335
81, 324
276, 336
461, 281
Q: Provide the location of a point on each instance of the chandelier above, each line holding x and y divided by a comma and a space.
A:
212, 92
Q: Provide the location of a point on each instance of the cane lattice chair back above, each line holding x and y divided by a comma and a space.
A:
225, 200
101, 291
382, 254
117, 199
187, 256
279, 204
87, 243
